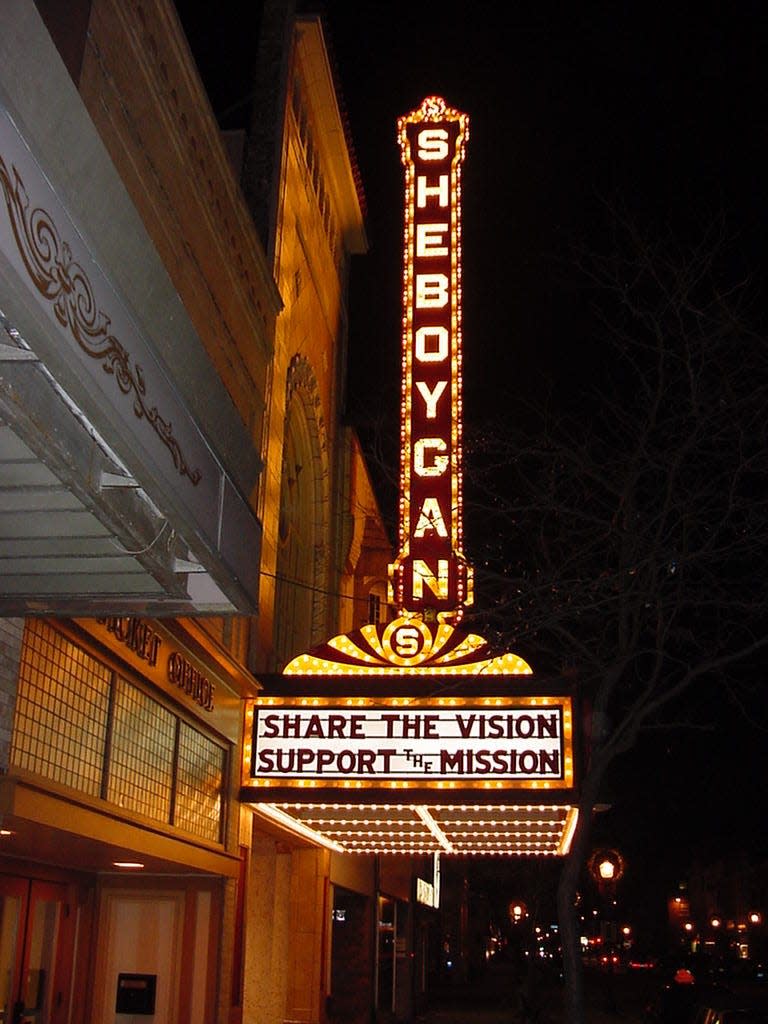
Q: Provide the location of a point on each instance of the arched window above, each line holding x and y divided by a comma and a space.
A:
301, 600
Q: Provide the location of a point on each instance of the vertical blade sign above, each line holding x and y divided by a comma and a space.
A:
430, 576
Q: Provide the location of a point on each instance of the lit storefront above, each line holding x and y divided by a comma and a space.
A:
152, 417
120, 837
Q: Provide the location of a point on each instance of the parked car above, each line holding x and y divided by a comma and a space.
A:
680, 1002
731, 1010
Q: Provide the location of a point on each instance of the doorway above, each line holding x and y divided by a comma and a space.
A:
393, 962
37, 940
350, 993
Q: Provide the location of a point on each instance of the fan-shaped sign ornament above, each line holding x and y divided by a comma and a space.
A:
407, 643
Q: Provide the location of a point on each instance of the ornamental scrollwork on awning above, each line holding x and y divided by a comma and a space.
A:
63, 282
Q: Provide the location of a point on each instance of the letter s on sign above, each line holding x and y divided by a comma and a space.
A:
406, 641
433, 144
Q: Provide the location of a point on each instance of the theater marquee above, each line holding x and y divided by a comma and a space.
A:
413, 736
438, 743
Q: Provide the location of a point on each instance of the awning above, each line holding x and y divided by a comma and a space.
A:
120, 488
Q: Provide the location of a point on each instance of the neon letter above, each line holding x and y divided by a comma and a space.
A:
424, 191
430, 518
423, 576
431, 398
437, 354
431, 291
429, 240
440, 462
433, 144
406, 643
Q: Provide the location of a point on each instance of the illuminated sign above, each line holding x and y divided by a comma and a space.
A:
514, 742
430, 574
428, 892
395, 765
160, 660
425, 893
408, 643
137, 635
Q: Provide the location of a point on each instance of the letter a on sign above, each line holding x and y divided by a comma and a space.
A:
430, 576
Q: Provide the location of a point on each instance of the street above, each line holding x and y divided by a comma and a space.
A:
501, 995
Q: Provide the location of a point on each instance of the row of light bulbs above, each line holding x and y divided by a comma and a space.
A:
461, 808
409, 702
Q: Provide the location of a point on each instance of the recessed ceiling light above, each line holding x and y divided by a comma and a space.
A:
128, 865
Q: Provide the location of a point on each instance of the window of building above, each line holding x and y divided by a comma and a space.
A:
79, 723
374, 609
378, 609
314, 171
301, 593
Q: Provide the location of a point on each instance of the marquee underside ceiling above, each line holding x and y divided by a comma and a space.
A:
507, 830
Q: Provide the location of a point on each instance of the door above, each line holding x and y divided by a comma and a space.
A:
385, 955
36, 951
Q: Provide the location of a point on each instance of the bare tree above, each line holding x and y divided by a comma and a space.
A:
626, 537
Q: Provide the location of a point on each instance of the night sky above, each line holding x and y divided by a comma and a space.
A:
661, 108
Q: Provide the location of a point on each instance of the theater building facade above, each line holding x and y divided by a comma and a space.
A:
187, 761
181, 511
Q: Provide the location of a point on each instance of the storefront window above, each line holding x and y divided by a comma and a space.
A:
199, 771
141, 753
62, 711
82, 725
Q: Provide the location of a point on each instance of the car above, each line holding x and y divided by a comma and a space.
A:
642, 963
734, 1010
681, 1002
610, 962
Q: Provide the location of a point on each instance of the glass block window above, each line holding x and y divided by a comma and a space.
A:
79, 723
60, 729
200, 770
142, 753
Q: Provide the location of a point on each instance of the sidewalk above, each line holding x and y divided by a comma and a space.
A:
468, 1015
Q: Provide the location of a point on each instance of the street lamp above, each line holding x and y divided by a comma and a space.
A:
606, 866
607, 869
517, 911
